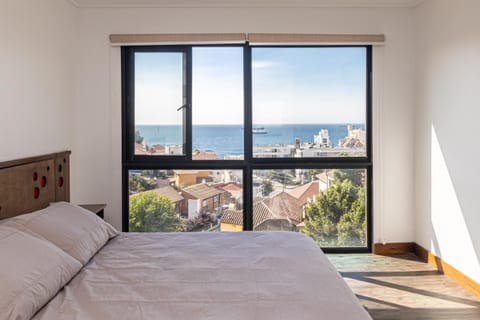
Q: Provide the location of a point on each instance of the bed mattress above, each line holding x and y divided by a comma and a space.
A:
228, 276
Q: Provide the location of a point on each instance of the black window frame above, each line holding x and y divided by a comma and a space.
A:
130, 161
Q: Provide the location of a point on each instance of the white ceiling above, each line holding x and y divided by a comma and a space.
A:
242, 3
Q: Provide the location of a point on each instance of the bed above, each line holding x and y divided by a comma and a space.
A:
76, 266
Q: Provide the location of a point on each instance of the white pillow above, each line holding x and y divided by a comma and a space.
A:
77, 231
32, 271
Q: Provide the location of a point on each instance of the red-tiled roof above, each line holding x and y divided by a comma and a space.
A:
232, 216
189, 171
281, 206
170, 193
306, 191
233, 188
323, 176
157, 149
140, 149
260, 213
204, 155
284, 205
202, 191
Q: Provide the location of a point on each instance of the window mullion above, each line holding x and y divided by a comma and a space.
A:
248, 140
248, 198
188, 102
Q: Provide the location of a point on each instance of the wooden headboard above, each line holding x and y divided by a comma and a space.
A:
32, 183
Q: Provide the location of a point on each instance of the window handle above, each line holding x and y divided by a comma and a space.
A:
182, 107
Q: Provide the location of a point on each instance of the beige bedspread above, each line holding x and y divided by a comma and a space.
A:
196, 276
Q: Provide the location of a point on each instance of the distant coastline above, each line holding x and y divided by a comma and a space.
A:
228, 139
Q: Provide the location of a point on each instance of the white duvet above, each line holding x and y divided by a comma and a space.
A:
197, 276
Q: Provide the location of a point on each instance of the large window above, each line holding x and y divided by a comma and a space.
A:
249, 138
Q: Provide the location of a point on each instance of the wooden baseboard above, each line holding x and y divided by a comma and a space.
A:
448, 270
393, 248
430, 258
422, 253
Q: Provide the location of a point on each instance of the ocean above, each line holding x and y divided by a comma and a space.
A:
228, 139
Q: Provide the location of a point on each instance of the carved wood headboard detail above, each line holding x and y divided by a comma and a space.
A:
32, 183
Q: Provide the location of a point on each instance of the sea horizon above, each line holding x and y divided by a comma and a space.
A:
228, 139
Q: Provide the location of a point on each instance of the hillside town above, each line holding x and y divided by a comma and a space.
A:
279, 196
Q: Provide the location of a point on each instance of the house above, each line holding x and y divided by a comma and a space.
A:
325, 179
263, 219
185, 178
233, 191
140, 149
204, 155
157, 149
200, 198
356, 138
173, 195
306, 192
279, 212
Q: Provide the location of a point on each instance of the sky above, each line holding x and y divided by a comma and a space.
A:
290, 86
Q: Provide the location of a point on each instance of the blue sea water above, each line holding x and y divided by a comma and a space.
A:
228, 139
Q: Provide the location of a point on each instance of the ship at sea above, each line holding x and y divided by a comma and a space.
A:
259, 130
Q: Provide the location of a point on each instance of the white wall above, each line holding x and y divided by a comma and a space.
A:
35, 77
96, 173
447, 151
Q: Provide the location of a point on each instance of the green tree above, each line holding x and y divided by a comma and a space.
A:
352, 227
138, 137
202, 222
337, 216
312, 173
150, 212
353, 175
139, 184
154, 174
284, 177
267, 187
159, 174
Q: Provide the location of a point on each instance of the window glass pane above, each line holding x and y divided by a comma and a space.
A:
185, 200
309, 102
159, 93
327, 204
217, 103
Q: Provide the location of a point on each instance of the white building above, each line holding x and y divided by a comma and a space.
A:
359, 134
277, 151
174, 150
322, 139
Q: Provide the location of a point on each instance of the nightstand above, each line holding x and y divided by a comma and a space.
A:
95, 208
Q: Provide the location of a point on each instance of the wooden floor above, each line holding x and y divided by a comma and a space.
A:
403, 287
